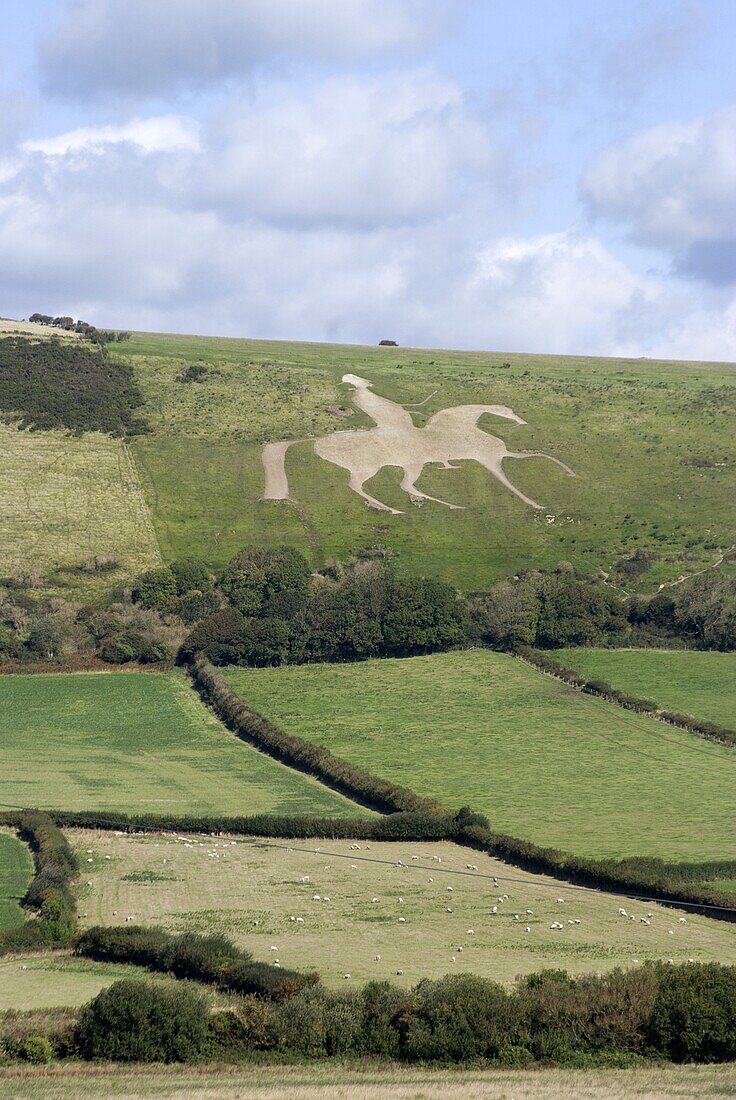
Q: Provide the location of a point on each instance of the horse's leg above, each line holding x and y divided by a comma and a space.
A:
540, 454
493, 465
411, 473
357, 480
276, 484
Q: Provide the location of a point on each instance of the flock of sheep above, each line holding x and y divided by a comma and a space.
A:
218, 849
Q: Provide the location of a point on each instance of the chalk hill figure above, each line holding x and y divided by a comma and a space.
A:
451, 435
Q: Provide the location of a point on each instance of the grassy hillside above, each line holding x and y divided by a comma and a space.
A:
702, 685
16, 871
649, 442
137, 742
251, 890
63, 498
543, 761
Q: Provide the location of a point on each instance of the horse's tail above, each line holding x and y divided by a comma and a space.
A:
274, 468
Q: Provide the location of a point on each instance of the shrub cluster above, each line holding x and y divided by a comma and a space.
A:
278, 613
295, 751
683, 1013
546, 663
49, 893
52, 384
209, 959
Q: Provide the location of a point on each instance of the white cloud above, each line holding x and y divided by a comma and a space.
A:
392, 149
674, 187
163, 134
150, 47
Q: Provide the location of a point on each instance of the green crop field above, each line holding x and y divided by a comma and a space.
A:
16, 871
702, 685
63, 498
253, 890
543, 761
137, 741
649, 443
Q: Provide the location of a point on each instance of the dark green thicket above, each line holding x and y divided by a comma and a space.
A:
49, 894
210, 959
53, 384
682, 1013
136, 1021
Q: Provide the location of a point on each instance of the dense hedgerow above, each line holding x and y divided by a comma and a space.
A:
53, 384
210, 959
683, 1013
49, 894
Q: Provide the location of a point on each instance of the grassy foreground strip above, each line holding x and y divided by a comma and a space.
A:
141, 743
366, 1082
700, 685
559, 768
642, 875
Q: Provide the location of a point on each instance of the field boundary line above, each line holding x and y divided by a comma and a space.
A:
718, 735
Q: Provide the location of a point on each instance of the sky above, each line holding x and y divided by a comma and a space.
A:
531, 176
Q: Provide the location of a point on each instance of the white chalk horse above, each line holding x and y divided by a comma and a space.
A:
451, 435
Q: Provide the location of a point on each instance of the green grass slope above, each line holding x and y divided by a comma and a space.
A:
702, 685
140, 742
649, 441
16, 872
543, 761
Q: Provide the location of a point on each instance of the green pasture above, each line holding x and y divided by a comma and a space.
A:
136, 741
542, 760
350, 901
649, 441
16, 871
702, 685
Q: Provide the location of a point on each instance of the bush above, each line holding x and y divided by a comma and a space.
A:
694, 1018
36, 1049
190, 575
458, 1018
134, 1021
156, 590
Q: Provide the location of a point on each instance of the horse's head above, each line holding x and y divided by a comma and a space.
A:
355, 380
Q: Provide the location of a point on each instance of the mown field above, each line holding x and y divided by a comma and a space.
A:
63, 498
702, 685
649, 441
137, 741
327, 1081
16, 871
543, 761
249, 890
58, 980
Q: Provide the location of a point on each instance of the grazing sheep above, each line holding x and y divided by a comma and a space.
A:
527, 929
399, 972
494, 909
316, 897
683, 920
300, 920
530, 912
378, 958
274, 948
402, 920
449, 910
471, 932
449, 889
670, 932
431, 880
374, 900
401, 899
623, 913
346, 976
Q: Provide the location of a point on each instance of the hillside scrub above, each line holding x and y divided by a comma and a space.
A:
48, 384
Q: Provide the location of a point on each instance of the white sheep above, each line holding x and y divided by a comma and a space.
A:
402, 920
